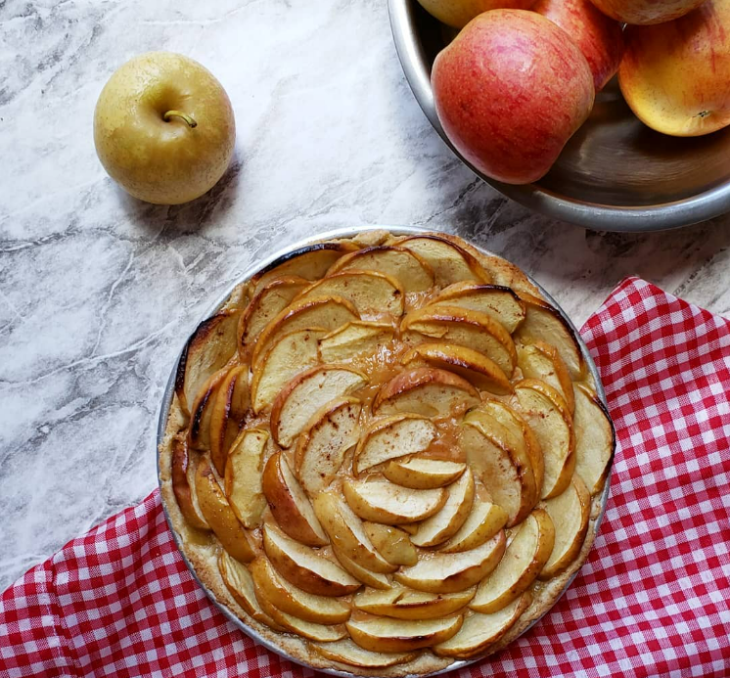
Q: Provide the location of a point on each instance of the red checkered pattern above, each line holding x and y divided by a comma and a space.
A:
652, 600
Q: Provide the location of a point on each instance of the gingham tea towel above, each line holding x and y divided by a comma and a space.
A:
652, 600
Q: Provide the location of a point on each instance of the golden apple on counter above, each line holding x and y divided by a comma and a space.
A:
164, 128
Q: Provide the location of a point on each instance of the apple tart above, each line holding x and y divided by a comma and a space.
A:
385, 454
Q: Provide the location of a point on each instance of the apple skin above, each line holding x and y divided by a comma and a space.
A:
599, 38
458, 13
645, 12
676, 76
510, 91
159, 161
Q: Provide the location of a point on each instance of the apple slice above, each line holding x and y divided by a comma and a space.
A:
399, 635
501, 303
594, 438
305, 567
544, 323
228, 414
186, 501
305, 394
462, 326
409, 269
450, 263
392, 543
480, 631
401, 603
271, 300
243, 477
446, 523
346, 652
370, 292
354, 339
542, 361
321, 449
393, 437
289, 355
220, 516
291, 600
346, 531
422, 473
484, 521
500, 460
425, 391
381, 501
209, 348
311, 262
329, 314
475, 367
548, 416
569, 512
311, 630
525, 557
239, 582
202, 412
452, 572
376, 580
289, 504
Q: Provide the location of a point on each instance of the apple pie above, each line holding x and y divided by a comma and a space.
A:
385, 453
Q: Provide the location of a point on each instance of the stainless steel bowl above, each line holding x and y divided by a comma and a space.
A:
270, 262
615, 174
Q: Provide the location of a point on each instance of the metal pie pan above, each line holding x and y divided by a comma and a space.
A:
272, 261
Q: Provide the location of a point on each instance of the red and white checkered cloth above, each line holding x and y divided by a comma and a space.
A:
652, 600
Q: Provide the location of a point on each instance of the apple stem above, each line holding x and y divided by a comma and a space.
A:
179, 114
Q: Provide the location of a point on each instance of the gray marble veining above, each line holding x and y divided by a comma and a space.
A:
98, 291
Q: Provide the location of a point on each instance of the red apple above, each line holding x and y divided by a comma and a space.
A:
646, 11
599, 38
510, 91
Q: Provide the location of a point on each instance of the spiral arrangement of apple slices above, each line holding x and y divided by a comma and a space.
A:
392, 447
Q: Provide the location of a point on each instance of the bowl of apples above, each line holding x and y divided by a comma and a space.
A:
610, 114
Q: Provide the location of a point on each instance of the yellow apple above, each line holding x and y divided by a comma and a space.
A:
458, 13
164, 128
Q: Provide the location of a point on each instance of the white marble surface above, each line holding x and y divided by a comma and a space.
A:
98, 291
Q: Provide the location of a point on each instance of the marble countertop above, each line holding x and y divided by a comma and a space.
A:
98, 291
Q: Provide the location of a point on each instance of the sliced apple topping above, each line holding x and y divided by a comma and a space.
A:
451, 517
311, 630
542, 361
220, 516
475, 367
346, 531
186, 500
450, 263
381, 501
403, 603
289, 504
306, 393
545, 323
484, 521
454, 325
202, 412
413, 272
548, 416
569, 512
393, 437
501, 303
294, 601
392, 543
422, 473
376, 580
273, 298
594, 439
355, 339
525, 557
501, 462
228, 414
425, 391
480, 631
243, 476
288, 356
321, 449
305, 567
452, 572
346, 652
370, 292
381, 634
